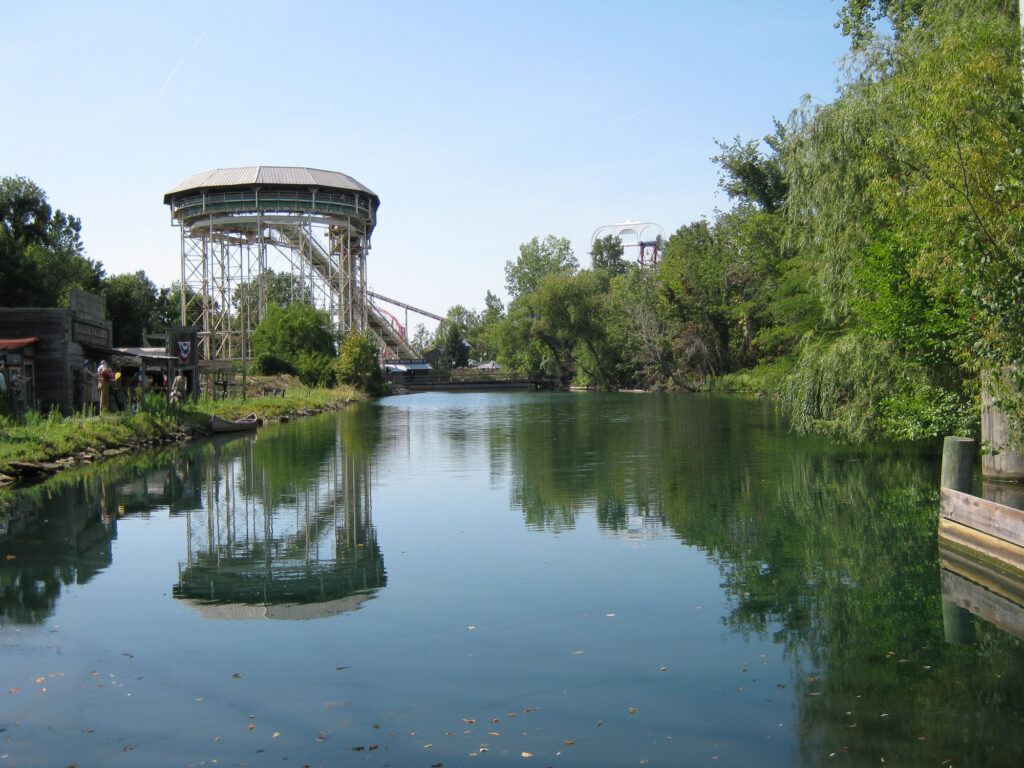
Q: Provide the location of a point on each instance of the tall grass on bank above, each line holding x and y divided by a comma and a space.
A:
39, 437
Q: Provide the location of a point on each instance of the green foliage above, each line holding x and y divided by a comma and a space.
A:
422, 339
269, 287
41, 252
536, 259
751, 176
132, 306
858, 18
168, 307
271, 365
905, 192
315, 369
606, 253
285, 331
357, 364
454, 348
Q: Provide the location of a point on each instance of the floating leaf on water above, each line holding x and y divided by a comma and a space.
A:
468, 720
527, 754
663, 669
632, 710
237, 675
471, 626
570, 742
129, 748
276, 734
251, 726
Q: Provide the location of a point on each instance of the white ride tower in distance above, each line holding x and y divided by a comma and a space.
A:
642, 240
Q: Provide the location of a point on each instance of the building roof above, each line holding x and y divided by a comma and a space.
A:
17, 343
267, 175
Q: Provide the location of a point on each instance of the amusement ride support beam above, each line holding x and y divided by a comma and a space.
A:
409, 307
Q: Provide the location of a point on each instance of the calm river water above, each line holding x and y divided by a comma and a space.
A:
537, 579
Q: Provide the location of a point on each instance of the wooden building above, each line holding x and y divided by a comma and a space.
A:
67, 338
69, 342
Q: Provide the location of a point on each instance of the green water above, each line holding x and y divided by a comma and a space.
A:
528, 579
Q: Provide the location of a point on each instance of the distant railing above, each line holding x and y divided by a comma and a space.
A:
466, 379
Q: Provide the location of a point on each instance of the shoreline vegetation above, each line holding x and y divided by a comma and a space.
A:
39, 445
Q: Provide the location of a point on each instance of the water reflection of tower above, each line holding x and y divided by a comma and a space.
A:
273, 541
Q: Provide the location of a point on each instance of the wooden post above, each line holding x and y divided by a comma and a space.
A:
1000, 462
957, 464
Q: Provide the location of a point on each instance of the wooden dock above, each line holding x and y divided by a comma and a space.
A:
985, 528
991, 530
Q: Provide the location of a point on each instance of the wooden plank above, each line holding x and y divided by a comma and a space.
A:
1002, 522
982, 544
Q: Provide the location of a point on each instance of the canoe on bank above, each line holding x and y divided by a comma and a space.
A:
246, 423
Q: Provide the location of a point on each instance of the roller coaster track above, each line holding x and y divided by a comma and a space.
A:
388, 333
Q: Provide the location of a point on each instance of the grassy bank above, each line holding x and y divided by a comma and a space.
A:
41, 438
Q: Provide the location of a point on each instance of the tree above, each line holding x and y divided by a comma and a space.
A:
357, 364
907, 192
536, 259
570, 313
481, 337
298, 335
132, 305
858, 18
606, 253
749, 175
168, 307
41, 252
422, 339
282, 288
454, 349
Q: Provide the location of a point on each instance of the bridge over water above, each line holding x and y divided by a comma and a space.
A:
238, 223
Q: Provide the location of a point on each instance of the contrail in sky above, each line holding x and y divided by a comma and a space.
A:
195, 45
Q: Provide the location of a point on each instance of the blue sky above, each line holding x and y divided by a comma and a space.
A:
479, 124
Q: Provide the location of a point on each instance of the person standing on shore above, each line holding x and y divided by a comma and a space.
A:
106, 382
179, 387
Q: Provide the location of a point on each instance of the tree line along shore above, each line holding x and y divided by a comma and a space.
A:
868, 271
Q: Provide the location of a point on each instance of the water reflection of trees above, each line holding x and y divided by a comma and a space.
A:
284, 526
824, 549
59, 532
283, 520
